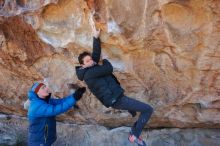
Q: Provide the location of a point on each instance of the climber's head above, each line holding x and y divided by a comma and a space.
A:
40, 89
85, 59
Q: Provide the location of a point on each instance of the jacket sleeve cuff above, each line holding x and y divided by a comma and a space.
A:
96, 39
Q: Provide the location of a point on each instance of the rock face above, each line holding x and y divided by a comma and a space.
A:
164, 52
93, 135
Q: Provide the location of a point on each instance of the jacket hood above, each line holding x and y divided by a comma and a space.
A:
32, 95
80, 72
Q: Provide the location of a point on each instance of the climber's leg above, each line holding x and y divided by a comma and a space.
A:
126, 103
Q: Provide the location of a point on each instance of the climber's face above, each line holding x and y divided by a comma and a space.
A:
43, 91
87, 61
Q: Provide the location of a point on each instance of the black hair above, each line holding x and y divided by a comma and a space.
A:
82, 55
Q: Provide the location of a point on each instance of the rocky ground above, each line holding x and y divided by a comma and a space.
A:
14, 131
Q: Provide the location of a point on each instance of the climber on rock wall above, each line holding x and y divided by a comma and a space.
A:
105, 86
42, 110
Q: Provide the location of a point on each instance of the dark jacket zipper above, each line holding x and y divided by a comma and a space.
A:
45, 133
